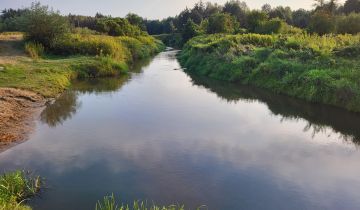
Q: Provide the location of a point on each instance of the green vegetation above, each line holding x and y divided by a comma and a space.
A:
60, 53
109, 203
15, 188
322, 69
235, 17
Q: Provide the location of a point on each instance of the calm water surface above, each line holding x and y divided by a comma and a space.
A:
169, 137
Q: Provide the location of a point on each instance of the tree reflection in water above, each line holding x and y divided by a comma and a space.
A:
65, 107
319, 117
61, 110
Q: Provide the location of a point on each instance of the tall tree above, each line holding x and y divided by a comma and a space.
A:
237, 9
352, 6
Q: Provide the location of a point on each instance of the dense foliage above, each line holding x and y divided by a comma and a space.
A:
236, 17
316, 68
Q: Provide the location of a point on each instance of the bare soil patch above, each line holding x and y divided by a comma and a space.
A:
18, 110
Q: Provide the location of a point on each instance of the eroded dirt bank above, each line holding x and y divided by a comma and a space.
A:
18, 110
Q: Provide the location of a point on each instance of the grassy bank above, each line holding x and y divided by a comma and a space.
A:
50, 72
15, 188
323, 69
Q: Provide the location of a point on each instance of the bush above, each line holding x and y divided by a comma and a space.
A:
34, 50
43, 25
272, 26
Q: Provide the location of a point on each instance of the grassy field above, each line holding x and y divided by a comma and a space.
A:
77, 56
323, 69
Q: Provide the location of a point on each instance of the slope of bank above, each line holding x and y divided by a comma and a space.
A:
323, 69
17, 114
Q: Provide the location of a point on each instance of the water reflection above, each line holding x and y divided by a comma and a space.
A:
61, 110
319, 117
164, 138
65, 106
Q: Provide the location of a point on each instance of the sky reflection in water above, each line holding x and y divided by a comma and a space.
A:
162, 135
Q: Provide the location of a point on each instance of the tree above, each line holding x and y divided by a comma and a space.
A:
283, 13
332, 6
322, 22
211, 9
222, 23
319, 4
136, 20
255, 19
301, 18
190, 30
349, 24
266, 8
43, 25
352, 6
117, 27
237, 9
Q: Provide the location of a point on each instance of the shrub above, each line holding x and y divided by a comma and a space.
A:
34, 50
272, 26
43, 25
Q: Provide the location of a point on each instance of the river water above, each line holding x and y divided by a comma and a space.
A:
168, 137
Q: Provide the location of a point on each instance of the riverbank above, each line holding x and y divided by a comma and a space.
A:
27, 82
18, 110
321, 69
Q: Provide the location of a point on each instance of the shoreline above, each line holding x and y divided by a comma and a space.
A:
19, 110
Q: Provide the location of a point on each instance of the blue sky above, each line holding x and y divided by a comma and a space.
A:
151, 9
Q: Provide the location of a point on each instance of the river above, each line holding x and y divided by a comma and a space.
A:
169, 137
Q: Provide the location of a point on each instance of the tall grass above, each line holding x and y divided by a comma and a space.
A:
125, 49
34, 50
109, 203
16, 187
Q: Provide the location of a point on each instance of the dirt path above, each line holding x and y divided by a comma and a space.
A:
18, 110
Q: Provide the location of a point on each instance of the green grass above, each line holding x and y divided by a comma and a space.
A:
15, 188
78, 56
323, 69
109, 203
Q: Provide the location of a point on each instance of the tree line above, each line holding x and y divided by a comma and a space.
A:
327, 16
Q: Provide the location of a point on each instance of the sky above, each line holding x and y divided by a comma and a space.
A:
151, 9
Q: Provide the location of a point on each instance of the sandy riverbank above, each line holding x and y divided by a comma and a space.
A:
18, 111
